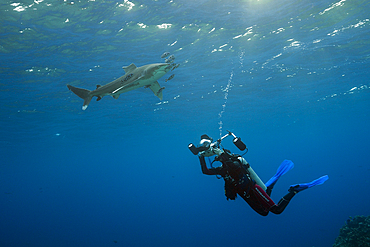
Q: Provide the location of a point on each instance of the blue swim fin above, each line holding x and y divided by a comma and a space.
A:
284, 167
300, 187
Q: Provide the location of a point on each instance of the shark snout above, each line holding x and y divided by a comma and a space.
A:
166, 67
163, 68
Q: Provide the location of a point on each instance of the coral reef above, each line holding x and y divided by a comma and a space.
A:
355, 233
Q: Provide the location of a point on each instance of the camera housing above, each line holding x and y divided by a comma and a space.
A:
213, 148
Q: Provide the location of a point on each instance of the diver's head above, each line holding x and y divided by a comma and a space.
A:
205, 141
207, 148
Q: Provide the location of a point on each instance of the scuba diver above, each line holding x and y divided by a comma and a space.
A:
240, 179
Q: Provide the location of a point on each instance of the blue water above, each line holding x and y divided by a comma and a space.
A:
290, 77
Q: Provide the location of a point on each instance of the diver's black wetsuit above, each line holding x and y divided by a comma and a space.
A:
247, 192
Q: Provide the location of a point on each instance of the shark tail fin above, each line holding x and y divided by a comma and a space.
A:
83, 94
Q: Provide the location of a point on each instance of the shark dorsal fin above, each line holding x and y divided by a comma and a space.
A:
129, 68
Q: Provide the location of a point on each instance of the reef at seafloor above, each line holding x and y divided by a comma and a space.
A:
354, 233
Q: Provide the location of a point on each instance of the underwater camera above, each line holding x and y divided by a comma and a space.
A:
209, 148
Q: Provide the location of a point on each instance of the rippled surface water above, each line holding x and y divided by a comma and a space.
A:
289, 77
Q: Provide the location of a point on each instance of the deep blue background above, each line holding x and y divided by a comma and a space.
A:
289, 77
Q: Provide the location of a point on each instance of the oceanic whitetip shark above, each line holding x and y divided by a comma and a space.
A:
135, 77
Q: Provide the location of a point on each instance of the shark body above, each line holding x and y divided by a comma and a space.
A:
134, 77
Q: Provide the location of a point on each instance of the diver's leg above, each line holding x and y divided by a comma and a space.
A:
283, 203
269, 190
293, 190
284, 167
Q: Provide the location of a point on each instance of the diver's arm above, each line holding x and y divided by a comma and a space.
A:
204, 167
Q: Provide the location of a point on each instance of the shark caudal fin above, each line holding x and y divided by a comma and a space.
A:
83, 94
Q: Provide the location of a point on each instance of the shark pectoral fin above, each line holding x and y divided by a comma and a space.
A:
129, 68
157, 90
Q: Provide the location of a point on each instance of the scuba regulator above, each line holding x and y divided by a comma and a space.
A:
208, 148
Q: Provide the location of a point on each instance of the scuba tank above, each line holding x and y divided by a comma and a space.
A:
226, 156
256, 178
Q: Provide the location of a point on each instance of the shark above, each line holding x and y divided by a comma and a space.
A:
134, 77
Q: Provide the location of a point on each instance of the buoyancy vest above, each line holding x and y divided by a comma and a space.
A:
238, 181
236, 177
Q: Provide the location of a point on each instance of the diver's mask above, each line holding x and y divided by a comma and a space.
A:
207, 148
